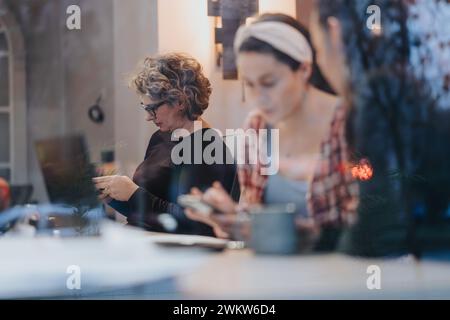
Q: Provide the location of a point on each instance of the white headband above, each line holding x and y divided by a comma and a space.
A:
279, 35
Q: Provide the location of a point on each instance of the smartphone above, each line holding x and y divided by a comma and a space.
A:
195, 203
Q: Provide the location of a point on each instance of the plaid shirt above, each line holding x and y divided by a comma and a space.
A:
333, 193
252, 182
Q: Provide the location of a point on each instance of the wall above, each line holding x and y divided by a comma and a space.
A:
135, 36
304, 8
13, 83
183, 25
88, 58
147, 27
282, 6
65, 72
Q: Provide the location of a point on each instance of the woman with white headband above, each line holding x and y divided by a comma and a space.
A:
277, 64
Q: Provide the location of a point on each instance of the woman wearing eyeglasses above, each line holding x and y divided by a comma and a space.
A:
174, 93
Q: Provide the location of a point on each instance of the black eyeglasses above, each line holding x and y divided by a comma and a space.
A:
151, 108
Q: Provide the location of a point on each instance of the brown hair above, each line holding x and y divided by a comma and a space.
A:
174, 78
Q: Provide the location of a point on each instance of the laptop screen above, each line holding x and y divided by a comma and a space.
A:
67, 171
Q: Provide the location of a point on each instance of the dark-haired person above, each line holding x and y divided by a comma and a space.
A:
394, 78
276, 61
174, 94
394, 119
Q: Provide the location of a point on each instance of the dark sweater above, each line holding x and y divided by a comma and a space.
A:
161, 181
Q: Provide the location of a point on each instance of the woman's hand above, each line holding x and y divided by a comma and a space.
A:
117, 187
217, 197
210, 220
255, 120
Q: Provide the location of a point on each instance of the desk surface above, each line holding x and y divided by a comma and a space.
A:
36, 267
243, 275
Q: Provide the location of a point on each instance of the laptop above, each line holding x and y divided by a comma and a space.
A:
68, 174
21, 194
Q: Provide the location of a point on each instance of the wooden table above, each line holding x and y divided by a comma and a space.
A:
243, 275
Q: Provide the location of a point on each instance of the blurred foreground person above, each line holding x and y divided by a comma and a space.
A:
394, 77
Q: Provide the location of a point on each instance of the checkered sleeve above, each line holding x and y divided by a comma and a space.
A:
333, 193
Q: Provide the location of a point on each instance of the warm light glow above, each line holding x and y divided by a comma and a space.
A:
250, 20
186, 29
5, 195
282, 6
377, 30
363, 171
218, 22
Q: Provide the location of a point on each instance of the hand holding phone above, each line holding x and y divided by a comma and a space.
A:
197, 204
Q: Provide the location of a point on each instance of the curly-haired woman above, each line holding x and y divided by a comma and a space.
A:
174, 93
